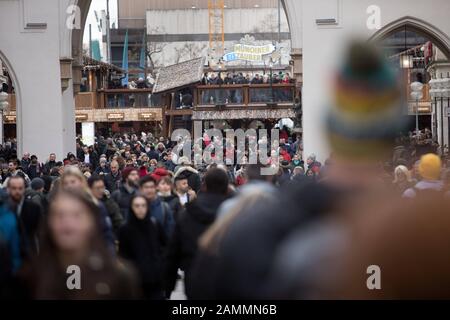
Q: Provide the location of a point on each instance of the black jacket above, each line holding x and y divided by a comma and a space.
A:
112, 182
193, 222
29, 219
123, 198
141, 243
114, 213
174, 203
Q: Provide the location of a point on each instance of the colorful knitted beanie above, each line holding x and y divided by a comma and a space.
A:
367, 112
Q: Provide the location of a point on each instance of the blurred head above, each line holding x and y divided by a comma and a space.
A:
72, 221
181, 184
216, 181
114, 167
430, 167
16, 188
73, 179
147, 187
12, 166
130, 176
52, 157
139, 207
97, 186
165, 185
401, 174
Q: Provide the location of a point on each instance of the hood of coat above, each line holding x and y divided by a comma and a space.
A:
204, 208
189, 170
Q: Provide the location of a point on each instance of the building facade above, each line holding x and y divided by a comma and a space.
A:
36, 44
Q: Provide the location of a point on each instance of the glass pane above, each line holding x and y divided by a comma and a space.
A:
222, 96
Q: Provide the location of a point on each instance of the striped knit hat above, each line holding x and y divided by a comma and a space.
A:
367, 112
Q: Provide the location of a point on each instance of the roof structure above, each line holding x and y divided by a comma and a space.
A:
179, 75
90, 63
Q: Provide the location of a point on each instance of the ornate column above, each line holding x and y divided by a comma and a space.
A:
440, 99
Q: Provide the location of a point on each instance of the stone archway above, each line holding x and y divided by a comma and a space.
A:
17, 90
436, 36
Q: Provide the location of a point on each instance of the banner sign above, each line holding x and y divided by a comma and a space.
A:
249, 52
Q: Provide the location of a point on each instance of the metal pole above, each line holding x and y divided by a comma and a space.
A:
448, 120
90, 41
417, 116
108, 32
442, 125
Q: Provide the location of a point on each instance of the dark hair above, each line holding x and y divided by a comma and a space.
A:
93, 179
166, 179
146, 179
216, 181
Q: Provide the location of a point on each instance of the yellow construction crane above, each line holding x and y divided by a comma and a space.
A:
216, 29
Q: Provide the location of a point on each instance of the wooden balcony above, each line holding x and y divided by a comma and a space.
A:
86, 100
244, 96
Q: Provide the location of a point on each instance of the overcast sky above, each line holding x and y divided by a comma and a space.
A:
99, 5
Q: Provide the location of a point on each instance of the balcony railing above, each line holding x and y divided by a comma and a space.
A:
117, 98
245, 95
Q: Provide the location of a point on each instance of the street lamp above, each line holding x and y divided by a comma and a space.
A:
417, 94
406, 61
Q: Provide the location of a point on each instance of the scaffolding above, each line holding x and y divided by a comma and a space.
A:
216, 29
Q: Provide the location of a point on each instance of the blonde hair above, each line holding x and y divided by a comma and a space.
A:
401, 170
73, 171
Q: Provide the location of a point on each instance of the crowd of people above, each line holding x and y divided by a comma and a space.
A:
131, 213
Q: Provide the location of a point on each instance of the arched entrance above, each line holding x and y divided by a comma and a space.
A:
439, 38
426, 48
11, 116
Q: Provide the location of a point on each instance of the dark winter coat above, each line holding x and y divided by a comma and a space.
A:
141, 243
193, 222
114, 213
29, 219
112, 182
123, 198
175, 205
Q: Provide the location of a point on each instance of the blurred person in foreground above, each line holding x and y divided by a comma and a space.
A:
260, 255
405, 240
430, 167
72, 237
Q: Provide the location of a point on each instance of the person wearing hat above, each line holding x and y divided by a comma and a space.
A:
192, 175
313, 165
36, 193
182, 188
122, 196
279, 248
429, 168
